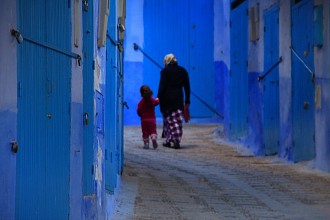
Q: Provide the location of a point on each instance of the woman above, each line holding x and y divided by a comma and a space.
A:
173, 80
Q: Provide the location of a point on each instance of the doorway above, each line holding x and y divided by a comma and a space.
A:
44, 78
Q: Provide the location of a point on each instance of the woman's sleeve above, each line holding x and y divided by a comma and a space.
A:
161, 87
186, 86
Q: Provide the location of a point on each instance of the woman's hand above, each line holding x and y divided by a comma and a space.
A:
186, 113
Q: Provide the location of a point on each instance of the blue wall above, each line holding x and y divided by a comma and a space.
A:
237, 122
221, 56
8, 109
157, 36
8, 164
98, 203
255, 138
290, 140
303, 123
322, 137
133, 65
133, 82
221, 76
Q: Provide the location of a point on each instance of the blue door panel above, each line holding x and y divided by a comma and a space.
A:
42, 187
120, 114
271, 82
201, 61
238, 116
99, 115
302, 85
164, 34
184, 28
88, 100
111, 103
111, 117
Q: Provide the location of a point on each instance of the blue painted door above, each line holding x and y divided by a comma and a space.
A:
201, 58
88, 98
43, 158
302, 85
111, 105
184, 28
120, 114
271, 82
238, 84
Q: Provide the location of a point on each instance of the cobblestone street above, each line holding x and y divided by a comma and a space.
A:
207, 179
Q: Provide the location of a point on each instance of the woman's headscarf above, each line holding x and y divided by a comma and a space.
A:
169, 58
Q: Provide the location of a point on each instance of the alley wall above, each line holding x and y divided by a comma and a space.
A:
8, 108
68, 162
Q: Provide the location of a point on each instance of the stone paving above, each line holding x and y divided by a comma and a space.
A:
208, 179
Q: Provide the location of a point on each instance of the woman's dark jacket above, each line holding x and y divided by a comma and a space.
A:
173, 79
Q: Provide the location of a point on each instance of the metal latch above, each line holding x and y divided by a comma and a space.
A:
14, 146
306, 105
126, 105
85, 5
86, 118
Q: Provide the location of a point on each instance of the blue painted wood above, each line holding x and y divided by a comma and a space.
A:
42, 182
111, 104
271, 82
201, 56
120, 115
88, 99
238, 116
302, 86
184, 28
99, 115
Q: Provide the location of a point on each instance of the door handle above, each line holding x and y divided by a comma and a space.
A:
126, 105
306, 105
14, 146
86, 118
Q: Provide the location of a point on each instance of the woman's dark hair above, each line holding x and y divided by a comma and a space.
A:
145, 91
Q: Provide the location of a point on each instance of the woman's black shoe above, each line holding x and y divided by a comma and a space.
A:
176, 146
167, 144
172, 145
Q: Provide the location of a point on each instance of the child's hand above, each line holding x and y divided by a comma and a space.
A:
156, 101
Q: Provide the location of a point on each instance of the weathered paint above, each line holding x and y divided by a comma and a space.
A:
254, 140
270, 82
322, 95
221, 73
8, 108
221, 52
76, 142
89, 209
237, 123
88, 31
111, 116
44, 76
285, 79
303, 124
76, 160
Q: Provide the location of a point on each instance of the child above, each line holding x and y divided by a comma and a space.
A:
146, 111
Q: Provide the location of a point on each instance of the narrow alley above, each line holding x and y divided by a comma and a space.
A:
207, 179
